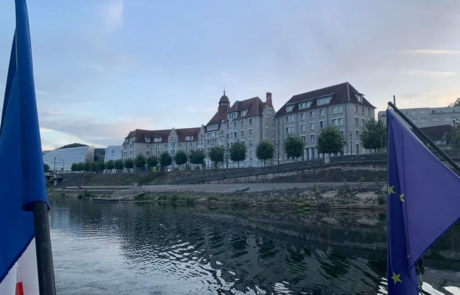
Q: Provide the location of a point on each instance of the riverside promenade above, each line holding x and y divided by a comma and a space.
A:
221, 188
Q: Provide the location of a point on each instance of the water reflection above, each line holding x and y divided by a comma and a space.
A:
150, 249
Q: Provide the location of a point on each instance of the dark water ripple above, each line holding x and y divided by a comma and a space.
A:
149, 249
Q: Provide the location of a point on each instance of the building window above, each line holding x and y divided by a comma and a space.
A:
234, 124
304, 139
232, 115
312, 126
303, 127
243, 113
337, 110
312, 138
356, 121
213, 127
364, 122
250, 121
166, 145
422, 112
235, 134
321, 125
321, 113
357, 134
290, 129
251, 142
242, 122
305, 105
368, 111
189, 137
250, 155
356, 108
290, 118
266, 131
312, 114
323, 100
362, 110
337, 122
302, 116
359, 97
228, 126
228, 135
289, 108
242, 133
250, 131
266, 120
147, 152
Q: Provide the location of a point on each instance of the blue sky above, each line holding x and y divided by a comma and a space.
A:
105, 67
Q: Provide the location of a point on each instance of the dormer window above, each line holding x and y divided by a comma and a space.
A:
232, 115
305, 105
157, 139
289, 108
243, 113
189, 137
323, 100
213, 127
359, 97
147, 139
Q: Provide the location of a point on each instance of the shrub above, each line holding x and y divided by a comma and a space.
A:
382, 199
305, 204
86, 195
163, 197
213, 198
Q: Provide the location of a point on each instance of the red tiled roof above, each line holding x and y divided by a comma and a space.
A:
182, 133
341, 93
255, 107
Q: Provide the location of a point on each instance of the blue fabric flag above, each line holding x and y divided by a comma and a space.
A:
423, 201
22, 179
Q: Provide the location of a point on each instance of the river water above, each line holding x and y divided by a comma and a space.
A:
145, 248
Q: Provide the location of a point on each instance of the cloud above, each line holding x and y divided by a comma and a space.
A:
112, 14
434, 52
434, 74
192, 110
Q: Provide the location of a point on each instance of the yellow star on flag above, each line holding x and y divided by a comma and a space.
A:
401, 198
395, 278
390, 190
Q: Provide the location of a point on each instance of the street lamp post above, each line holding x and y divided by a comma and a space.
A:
54, 165
351, 143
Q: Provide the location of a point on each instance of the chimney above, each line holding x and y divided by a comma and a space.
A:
269, 99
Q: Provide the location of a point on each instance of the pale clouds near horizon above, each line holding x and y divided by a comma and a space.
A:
107, 67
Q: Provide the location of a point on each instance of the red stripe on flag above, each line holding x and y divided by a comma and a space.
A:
19, 289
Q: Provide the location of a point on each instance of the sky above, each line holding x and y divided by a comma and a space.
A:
105, 67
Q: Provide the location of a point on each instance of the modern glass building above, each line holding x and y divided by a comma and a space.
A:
62, 159
113, 152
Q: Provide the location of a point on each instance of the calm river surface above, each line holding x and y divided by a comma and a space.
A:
150, 249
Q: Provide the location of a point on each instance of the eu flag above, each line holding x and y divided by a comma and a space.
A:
22, 179
423, 201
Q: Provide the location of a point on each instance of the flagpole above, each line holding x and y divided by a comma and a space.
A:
423, 135
43, 248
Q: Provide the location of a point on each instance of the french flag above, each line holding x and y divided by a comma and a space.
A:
22, 179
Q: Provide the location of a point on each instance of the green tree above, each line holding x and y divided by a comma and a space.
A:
129, 163
74, 167
139, 161
238, 152
47, 168
216, 154
293, 146
110, 165
330, 141
94, 167
374, 135
87, 167
265, 150
81, 166
119, 164
197, 157
165, 159
180, 158
100, 166
152, 161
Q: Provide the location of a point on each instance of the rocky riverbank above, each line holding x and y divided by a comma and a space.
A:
345, 196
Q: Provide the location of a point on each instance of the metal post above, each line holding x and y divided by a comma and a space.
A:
426, 138
43, 248
54, 165
351, 143
394, 100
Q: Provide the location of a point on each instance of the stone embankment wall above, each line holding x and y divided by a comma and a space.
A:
360, 168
